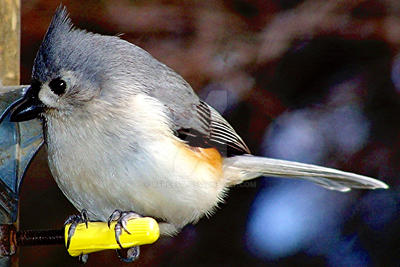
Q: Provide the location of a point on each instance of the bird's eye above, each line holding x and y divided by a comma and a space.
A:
58, 86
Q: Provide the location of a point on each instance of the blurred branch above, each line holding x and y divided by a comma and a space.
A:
348, 19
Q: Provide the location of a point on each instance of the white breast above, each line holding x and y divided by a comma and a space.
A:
132, 162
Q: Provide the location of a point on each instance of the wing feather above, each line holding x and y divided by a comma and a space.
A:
213, 131
193, 120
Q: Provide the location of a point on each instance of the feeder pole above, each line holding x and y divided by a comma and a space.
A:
10, 27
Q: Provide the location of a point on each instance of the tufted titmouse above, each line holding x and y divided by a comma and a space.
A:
125, 132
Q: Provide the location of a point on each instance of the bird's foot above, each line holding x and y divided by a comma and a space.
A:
122, 218
74, 220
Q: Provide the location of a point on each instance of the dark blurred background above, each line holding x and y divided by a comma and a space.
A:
313, 81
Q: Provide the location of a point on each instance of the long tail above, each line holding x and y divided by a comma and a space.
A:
241, 168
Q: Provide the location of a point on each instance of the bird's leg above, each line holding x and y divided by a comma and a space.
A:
74, 220
122, 217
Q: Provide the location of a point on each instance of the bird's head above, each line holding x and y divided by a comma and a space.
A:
73, 67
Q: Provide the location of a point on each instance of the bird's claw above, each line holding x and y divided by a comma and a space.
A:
74, 220
122, 218
113, 217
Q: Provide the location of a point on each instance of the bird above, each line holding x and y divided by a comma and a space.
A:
127, 136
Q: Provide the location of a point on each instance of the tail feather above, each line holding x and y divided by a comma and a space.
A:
246, 167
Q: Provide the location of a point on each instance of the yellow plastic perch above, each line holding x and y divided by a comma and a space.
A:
99, 237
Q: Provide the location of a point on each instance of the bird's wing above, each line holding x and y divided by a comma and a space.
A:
210, 129
197, 123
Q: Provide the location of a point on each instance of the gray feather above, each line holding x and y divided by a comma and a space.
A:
250, 167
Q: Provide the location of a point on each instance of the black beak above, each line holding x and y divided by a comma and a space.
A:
28, 107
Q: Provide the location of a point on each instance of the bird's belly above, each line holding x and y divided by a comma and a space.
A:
175, 183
